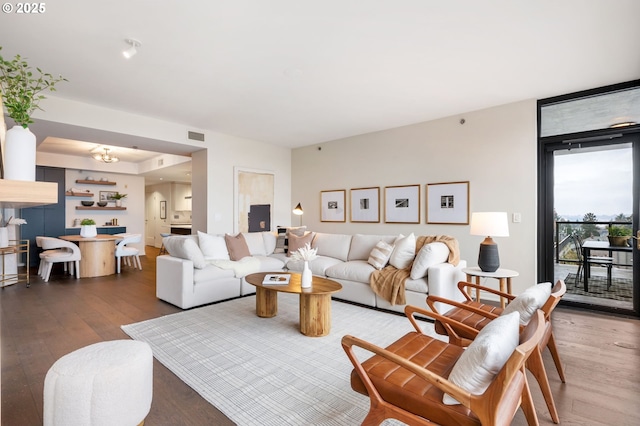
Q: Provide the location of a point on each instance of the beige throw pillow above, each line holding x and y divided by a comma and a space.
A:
379, 256
237, 246
296, 242
485, 356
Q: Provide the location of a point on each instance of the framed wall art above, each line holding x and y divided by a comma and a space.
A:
332, 206
365, 205
402, 204
107, 195
254, 195
448, 203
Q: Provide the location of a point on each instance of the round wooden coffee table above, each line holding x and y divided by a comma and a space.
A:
315, 302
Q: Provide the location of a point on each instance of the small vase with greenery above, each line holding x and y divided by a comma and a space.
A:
118, 197
21, 91
88, 228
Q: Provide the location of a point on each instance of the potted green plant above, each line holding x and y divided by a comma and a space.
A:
21, 92
118, 197
619, 235
88, 228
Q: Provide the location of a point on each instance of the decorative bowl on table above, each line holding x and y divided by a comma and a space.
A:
87, 203
103, 203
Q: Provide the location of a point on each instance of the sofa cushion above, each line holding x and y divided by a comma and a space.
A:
296, 242
486, 355
211, 272
269, 242
421, 285
237, 246
355, 270
429, 255
404, 251
361, 245
379, 256
185, 248
529, 301
269, 263
332, 245
255, 243
213, 246
318, 266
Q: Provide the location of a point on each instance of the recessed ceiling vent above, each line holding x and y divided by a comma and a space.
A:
195, 136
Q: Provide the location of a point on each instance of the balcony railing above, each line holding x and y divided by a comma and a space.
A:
565, 229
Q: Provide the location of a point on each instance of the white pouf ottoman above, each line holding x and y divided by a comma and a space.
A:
107, 383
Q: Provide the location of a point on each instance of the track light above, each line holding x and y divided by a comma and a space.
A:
131, 50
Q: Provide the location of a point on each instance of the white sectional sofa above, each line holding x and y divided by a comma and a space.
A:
193, 273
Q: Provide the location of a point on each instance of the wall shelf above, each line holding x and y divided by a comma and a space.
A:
95, 182
79, 194
99, 208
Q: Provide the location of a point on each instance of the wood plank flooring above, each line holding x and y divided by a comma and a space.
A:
40, 324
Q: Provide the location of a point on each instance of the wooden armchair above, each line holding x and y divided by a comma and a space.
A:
476, 315
408, 379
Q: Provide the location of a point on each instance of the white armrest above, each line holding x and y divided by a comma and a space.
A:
174, 280
443, 282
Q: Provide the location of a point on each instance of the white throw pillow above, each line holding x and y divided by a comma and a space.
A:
269, 242
255, 242
485, 356
185, 248
429, 255
213, 247
403, 252
379, 256
529, 301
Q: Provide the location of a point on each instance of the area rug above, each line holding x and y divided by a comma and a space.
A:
263, 371
621, 288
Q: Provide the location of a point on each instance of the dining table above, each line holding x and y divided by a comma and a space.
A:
588, 246
98, 254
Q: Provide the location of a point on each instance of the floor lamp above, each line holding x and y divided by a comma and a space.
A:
298, 211
489, 224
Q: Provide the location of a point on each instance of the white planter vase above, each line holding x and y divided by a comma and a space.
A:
4, 237
307, 276
20, 154
88, 231
118, 203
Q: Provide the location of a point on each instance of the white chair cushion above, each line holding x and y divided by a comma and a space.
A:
379, 256
213, 247
404, 251
185, 248
429, 255
485, 356
529, 301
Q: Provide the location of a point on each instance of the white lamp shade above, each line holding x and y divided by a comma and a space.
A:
489, 224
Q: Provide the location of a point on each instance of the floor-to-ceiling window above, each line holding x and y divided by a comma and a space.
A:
589, 180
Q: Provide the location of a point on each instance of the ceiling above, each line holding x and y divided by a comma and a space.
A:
295, 73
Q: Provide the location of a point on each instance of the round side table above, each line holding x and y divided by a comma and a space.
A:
502, 275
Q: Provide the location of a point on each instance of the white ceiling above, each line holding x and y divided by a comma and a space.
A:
296, 73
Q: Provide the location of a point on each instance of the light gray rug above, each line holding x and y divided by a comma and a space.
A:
263, 371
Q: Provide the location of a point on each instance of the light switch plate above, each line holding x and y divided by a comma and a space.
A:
517, 218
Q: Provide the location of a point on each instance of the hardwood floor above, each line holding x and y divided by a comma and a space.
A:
40, 324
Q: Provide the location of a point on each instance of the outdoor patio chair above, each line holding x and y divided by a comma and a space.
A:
477, 315
604, 261
408, 379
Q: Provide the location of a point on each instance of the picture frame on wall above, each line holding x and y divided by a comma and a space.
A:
448, 203
332, 206
365, 205
107, 196
402, 204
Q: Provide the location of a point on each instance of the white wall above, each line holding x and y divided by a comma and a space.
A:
495, 150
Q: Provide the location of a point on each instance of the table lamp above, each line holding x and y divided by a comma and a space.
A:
489, 224
298, 211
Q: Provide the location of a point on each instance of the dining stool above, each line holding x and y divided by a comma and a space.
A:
162, 249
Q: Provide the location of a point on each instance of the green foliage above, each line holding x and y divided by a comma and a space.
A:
619, 231
88, 222
118, 196
21, 89
589, 229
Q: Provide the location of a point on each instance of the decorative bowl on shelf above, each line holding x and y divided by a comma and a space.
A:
103, 203
87, 203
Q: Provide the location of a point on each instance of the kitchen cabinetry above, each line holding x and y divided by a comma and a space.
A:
181, 196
